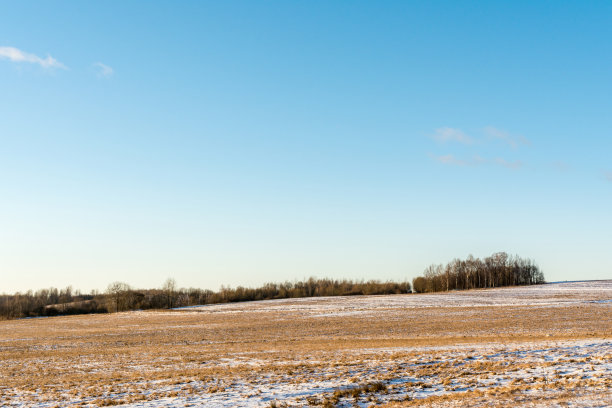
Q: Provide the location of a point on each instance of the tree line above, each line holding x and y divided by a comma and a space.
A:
120, 296
499, 269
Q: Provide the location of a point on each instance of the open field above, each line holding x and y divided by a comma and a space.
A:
547, 345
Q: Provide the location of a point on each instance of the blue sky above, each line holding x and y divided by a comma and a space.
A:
243, 142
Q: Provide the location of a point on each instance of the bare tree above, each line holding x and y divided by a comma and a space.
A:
499, 269
169, 288
118, 293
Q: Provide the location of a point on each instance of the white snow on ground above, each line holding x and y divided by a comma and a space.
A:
538, 295
582, 359
414, 372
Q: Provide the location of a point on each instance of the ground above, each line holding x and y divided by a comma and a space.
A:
545, 345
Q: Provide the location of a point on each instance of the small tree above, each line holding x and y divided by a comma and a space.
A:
118, 292
419, 284
169, 288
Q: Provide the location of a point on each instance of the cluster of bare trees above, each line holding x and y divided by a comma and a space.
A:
309, 288
120, 296
49, 302
499, 269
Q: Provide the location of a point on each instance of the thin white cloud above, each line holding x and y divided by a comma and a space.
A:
477, 160
608, 175
512, 140
104, 71
447, 134
561, 166
452, 160
517, 164
16, 55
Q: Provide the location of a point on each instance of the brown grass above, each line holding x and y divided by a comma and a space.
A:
104, 360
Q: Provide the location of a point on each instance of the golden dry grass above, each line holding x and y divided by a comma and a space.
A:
241, 351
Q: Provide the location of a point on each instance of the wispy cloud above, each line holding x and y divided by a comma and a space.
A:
512, 140
16, 55
452, 160
477, 160
561, 166
103, 70
514, 165
608, 175
447, 134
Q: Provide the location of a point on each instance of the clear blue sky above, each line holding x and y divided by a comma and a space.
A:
243, 142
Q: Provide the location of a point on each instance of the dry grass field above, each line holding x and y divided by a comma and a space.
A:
547, 345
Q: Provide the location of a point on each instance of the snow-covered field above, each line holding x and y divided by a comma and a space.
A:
552, 294
547, 345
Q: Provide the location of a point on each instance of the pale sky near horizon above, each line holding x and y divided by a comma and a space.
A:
242, 142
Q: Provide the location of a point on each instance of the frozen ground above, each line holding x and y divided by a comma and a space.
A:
408, 374
548, 345
552, 294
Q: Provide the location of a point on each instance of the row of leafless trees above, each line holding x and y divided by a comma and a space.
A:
310, 288
496, 270
120, 296
499, 269
49, 302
